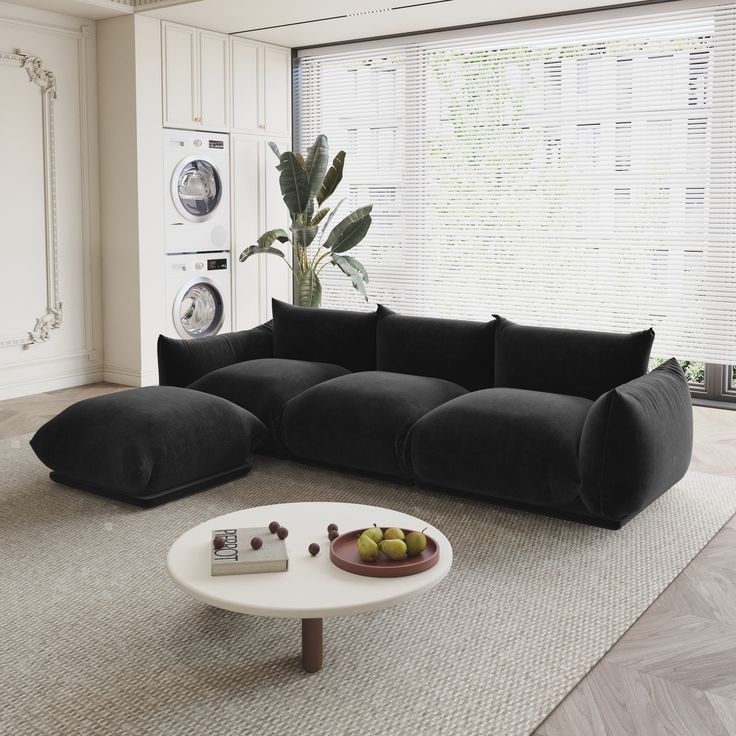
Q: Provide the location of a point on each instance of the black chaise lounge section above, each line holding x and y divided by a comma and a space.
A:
564, 422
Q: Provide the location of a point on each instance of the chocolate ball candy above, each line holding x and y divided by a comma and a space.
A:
273, 527
334, 534
282, 533
256, 543
218, 542
331, 528
314, 549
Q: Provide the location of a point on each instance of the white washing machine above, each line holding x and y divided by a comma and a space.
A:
197, 175
198, 294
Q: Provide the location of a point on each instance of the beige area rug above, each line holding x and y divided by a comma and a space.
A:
97, 641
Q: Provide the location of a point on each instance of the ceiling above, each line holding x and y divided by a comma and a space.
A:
92, 9
296, 23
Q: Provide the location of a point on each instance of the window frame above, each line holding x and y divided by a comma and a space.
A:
717, 389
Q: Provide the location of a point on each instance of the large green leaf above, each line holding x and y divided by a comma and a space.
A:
319, 216
357, 265
302, 237
345, 264
294, 183
269, 237
308, 289
332, 178
275, 149
350, 230
326, 226
254, 249
317, 160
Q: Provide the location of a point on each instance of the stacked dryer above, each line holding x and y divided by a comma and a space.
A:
197, 236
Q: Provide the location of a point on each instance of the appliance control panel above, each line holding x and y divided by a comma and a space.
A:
217, 264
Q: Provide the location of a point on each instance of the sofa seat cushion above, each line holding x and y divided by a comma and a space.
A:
148, 445
263, 386
361, 421
512, 444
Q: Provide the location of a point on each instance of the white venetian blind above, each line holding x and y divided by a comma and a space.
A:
579, 172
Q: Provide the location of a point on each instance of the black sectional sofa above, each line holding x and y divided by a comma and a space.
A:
566, 422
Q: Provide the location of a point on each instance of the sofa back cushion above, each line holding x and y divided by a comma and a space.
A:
325, 336
572, 362
454, 350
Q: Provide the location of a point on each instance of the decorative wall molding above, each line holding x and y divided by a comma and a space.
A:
46, 80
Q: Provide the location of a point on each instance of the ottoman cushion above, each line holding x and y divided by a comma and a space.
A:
148, 445
361, 420
263, 387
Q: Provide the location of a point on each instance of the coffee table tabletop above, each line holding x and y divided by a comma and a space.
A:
312, 588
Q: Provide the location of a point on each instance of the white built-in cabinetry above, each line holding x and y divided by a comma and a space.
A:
257, 207
196, 78
261, 79
215, 82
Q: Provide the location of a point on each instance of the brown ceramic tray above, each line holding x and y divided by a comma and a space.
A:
344, 554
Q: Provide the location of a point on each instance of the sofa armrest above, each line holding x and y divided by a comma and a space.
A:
180, 362
636, 443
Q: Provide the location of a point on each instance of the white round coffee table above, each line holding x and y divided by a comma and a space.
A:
312, 588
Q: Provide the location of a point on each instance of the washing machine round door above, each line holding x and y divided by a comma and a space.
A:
199, 310
196, 188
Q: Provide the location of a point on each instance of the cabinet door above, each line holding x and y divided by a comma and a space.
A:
246, 166
277, 90
246, 86
180, 76
214, 81
277, 279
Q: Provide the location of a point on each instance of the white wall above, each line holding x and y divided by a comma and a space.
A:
72, 356
131, 176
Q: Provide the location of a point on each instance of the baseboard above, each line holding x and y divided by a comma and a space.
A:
52, 383
129, 377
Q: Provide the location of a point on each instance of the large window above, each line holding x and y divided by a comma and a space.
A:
572, 173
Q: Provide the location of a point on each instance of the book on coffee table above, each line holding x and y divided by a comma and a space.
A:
237, 557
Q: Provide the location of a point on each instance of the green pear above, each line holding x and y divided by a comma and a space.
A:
393, 533
416, 543
394, 549
375, 533
367, 549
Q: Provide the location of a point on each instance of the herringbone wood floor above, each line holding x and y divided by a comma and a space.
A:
672, 674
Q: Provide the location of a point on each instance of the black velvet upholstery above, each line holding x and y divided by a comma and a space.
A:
455, 350
148, 445
264, 386
325, 336
506, 443
570, 362
361, 420
637, 442
182, 361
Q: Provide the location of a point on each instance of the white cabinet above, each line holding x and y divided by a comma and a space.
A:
179, 51
257, 207
214, 81
261, 88
196, 78
277, 90
246, 91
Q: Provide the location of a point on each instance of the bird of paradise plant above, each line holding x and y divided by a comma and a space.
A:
306, 183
